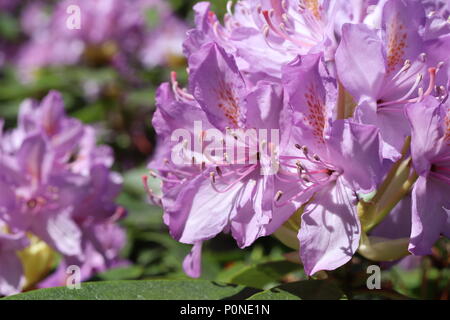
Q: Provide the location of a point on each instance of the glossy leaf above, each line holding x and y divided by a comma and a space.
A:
142, 290
302, 290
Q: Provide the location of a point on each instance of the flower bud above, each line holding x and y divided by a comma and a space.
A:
37, 260
382, 249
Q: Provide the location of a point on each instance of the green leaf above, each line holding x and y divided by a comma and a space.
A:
302, 290
91, 113
274, 294
142, 290
153, 18
9, 26
133, 182
124, 273
140, 98
260, 275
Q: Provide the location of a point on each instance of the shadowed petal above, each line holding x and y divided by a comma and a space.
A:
330, 230
11, 274
197, 212
426, 120
356, 149
253, 210
428, 214
192, 264
11, 271
59, 231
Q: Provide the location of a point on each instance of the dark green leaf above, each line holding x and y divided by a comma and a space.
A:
260, 275
302, 290
142, 290
125, 273
9, 27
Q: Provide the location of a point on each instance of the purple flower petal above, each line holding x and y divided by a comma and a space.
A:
330, 229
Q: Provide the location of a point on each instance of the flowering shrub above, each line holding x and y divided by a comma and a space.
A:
276, 149
109, 32
57, 196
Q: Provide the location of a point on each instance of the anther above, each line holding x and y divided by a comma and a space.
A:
278, 195
305, 150
437, 89
259, 9
406, 67
219, 171
443, 94
153, 175
423, 57
419, 77
31, 204
233, 134
212, 175
439, 66
299, 172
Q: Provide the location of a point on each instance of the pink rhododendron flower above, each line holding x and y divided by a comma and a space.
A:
57, 186
109, 31
430, 123
357, 91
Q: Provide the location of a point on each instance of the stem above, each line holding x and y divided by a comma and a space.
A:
393, 172
395, 186
383, 249
404, 190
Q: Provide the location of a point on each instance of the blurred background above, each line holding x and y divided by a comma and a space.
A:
108, 72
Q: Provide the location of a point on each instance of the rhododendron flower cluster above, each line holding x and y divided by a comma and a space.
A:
8, 4
57, 197
116, 32
357, 92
